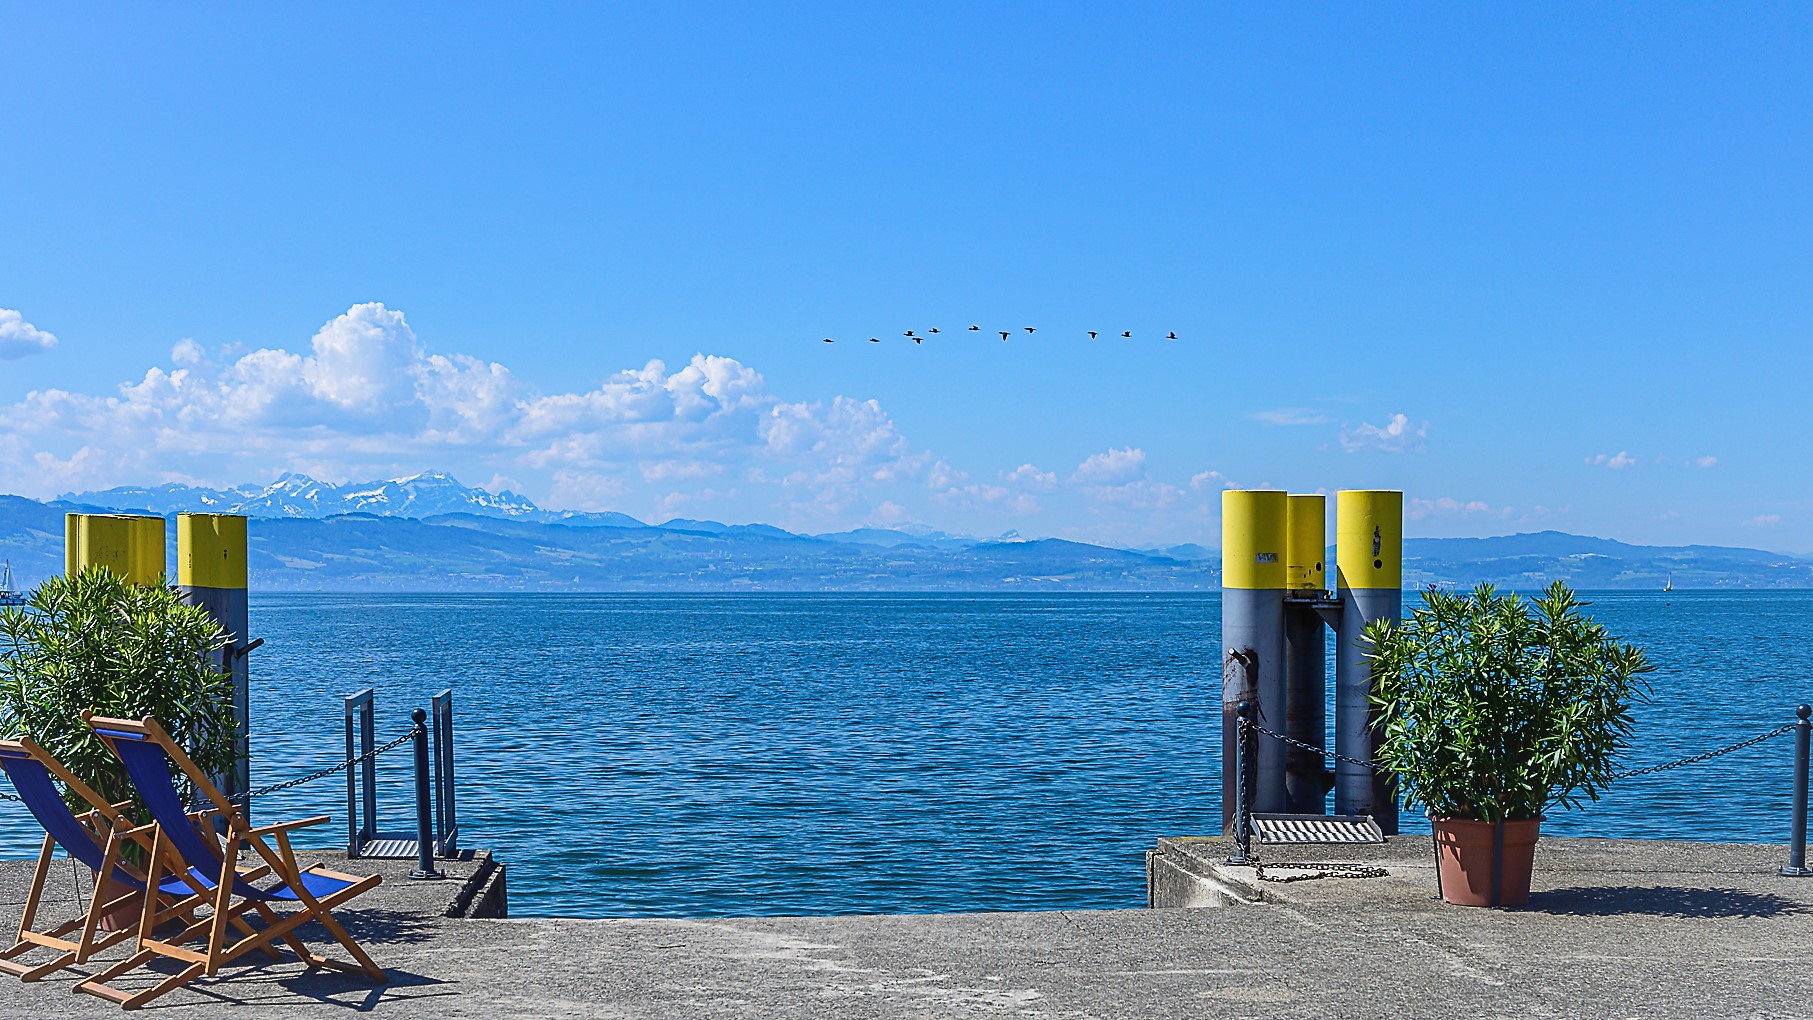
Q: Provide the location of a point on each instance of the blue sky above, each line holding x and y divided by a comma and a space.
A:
1538, 266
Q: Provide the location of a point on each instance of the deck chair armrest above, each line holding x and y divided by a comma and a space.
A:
274, 827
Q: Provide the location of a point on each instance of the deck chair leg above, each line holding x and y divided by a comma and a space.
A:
20, 946
169, 984
316, 910
223, 902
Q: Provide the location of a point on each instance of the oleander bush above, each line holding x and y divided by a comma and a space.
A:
1496, 708
95, 642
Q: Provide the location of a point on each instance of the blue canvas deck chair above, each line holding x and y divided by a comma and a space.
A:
97, 841
181, 847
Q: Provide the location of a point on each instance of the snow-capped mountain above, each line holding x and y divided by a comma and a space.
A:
428, 494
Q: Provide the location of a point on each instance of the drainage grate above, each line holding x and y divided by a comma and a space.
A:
1317, 829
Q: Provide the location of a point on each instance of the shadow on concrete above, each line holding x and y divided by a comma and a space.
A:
1662, 901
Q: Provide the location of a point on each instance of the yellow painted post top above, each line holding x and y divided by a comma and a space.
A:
130, 546
1306, 545
1253, 526
1369, 538
211, 550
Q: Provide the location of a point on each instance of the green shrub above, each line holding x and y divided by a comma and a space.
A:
1493, 707
95, 642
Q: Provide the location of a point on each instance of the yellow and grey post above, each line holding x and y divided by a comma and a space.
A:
1305, 656
131, 546
1369, 562
211, 573
1253, 524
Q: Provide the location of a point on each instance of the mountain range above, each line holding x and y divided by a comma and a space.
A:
428, 532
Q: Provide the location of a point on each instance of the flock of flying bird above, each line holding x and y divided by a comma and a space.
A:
916, 338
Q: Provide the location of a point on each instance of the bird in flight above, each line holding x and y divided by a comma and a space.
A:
1005, 335
874, 341
1092, 334
1029, 329
916, 339
907, 333
973, 329
829, 340
1172, 336
934, 329
1128, 334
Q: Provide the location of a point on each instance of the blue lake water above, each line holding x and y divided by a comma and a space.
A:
811, 754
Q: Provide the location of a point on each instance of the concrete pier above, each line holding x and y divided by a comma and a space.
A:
1617, 928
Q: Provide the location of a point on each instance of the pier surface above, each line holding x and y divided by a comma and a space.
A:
1616, 928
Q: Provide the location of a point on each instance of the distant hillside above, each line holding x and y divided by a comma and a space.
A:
1533, 560
469, 552
430, 533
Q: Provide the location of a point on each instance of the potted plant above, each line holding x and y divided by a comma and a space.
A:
1492, 709
93, 641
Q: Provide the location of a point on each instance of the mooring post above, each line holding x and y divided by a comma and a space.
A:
1797, 841
1369, 554
211, 573
1305, 657
424, 808
1243, 821
1253, 524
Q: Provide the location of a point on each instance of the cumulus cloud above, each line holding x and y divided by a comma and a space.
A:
366, 398
1202, 480
186, 352
1111, 467
1290, 416
1615, 461
1446, 506
1397, 435
19, 338
1031, 478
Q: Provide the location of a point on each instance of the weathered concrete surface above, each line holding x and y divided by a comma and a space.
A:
1618, 929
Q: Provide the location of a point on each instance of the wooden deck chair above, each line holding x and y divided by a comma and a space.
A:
179, 846
95, 840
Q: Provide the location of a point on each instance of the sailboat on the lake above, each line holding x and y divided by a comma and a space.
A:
1670, 586
9, 597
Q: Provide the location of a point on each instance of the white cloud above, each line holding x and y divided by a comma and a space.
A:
1397, 435
366, 399
186, 352
19, 338
1111, 467
1211, 480
1446, 506
1705, 462
1615, 461
1290, 416
1031, 478
1763, 521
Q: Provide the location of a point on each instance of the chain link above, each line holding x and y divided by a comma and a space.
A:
320, 773
1647, 770
1707, 756
1310, 871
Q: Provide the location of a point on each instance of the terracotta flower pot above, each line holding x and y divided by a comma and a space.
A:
1464, 855
124, 916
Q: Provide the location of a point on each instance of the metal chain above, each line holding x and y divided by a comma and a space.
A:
1316, 871
1629, 774
1294, 742
1708, 756
321, 773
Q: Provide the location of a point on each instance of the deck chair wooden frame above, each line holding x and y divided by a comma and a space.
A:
78, 938
177, 850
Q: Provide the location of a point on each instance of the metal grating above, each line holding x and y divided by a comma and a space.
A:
1317, 829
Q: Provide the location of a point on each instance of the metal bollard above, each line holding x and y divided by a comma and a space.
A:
1243, 823
1797, 842
424, 806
